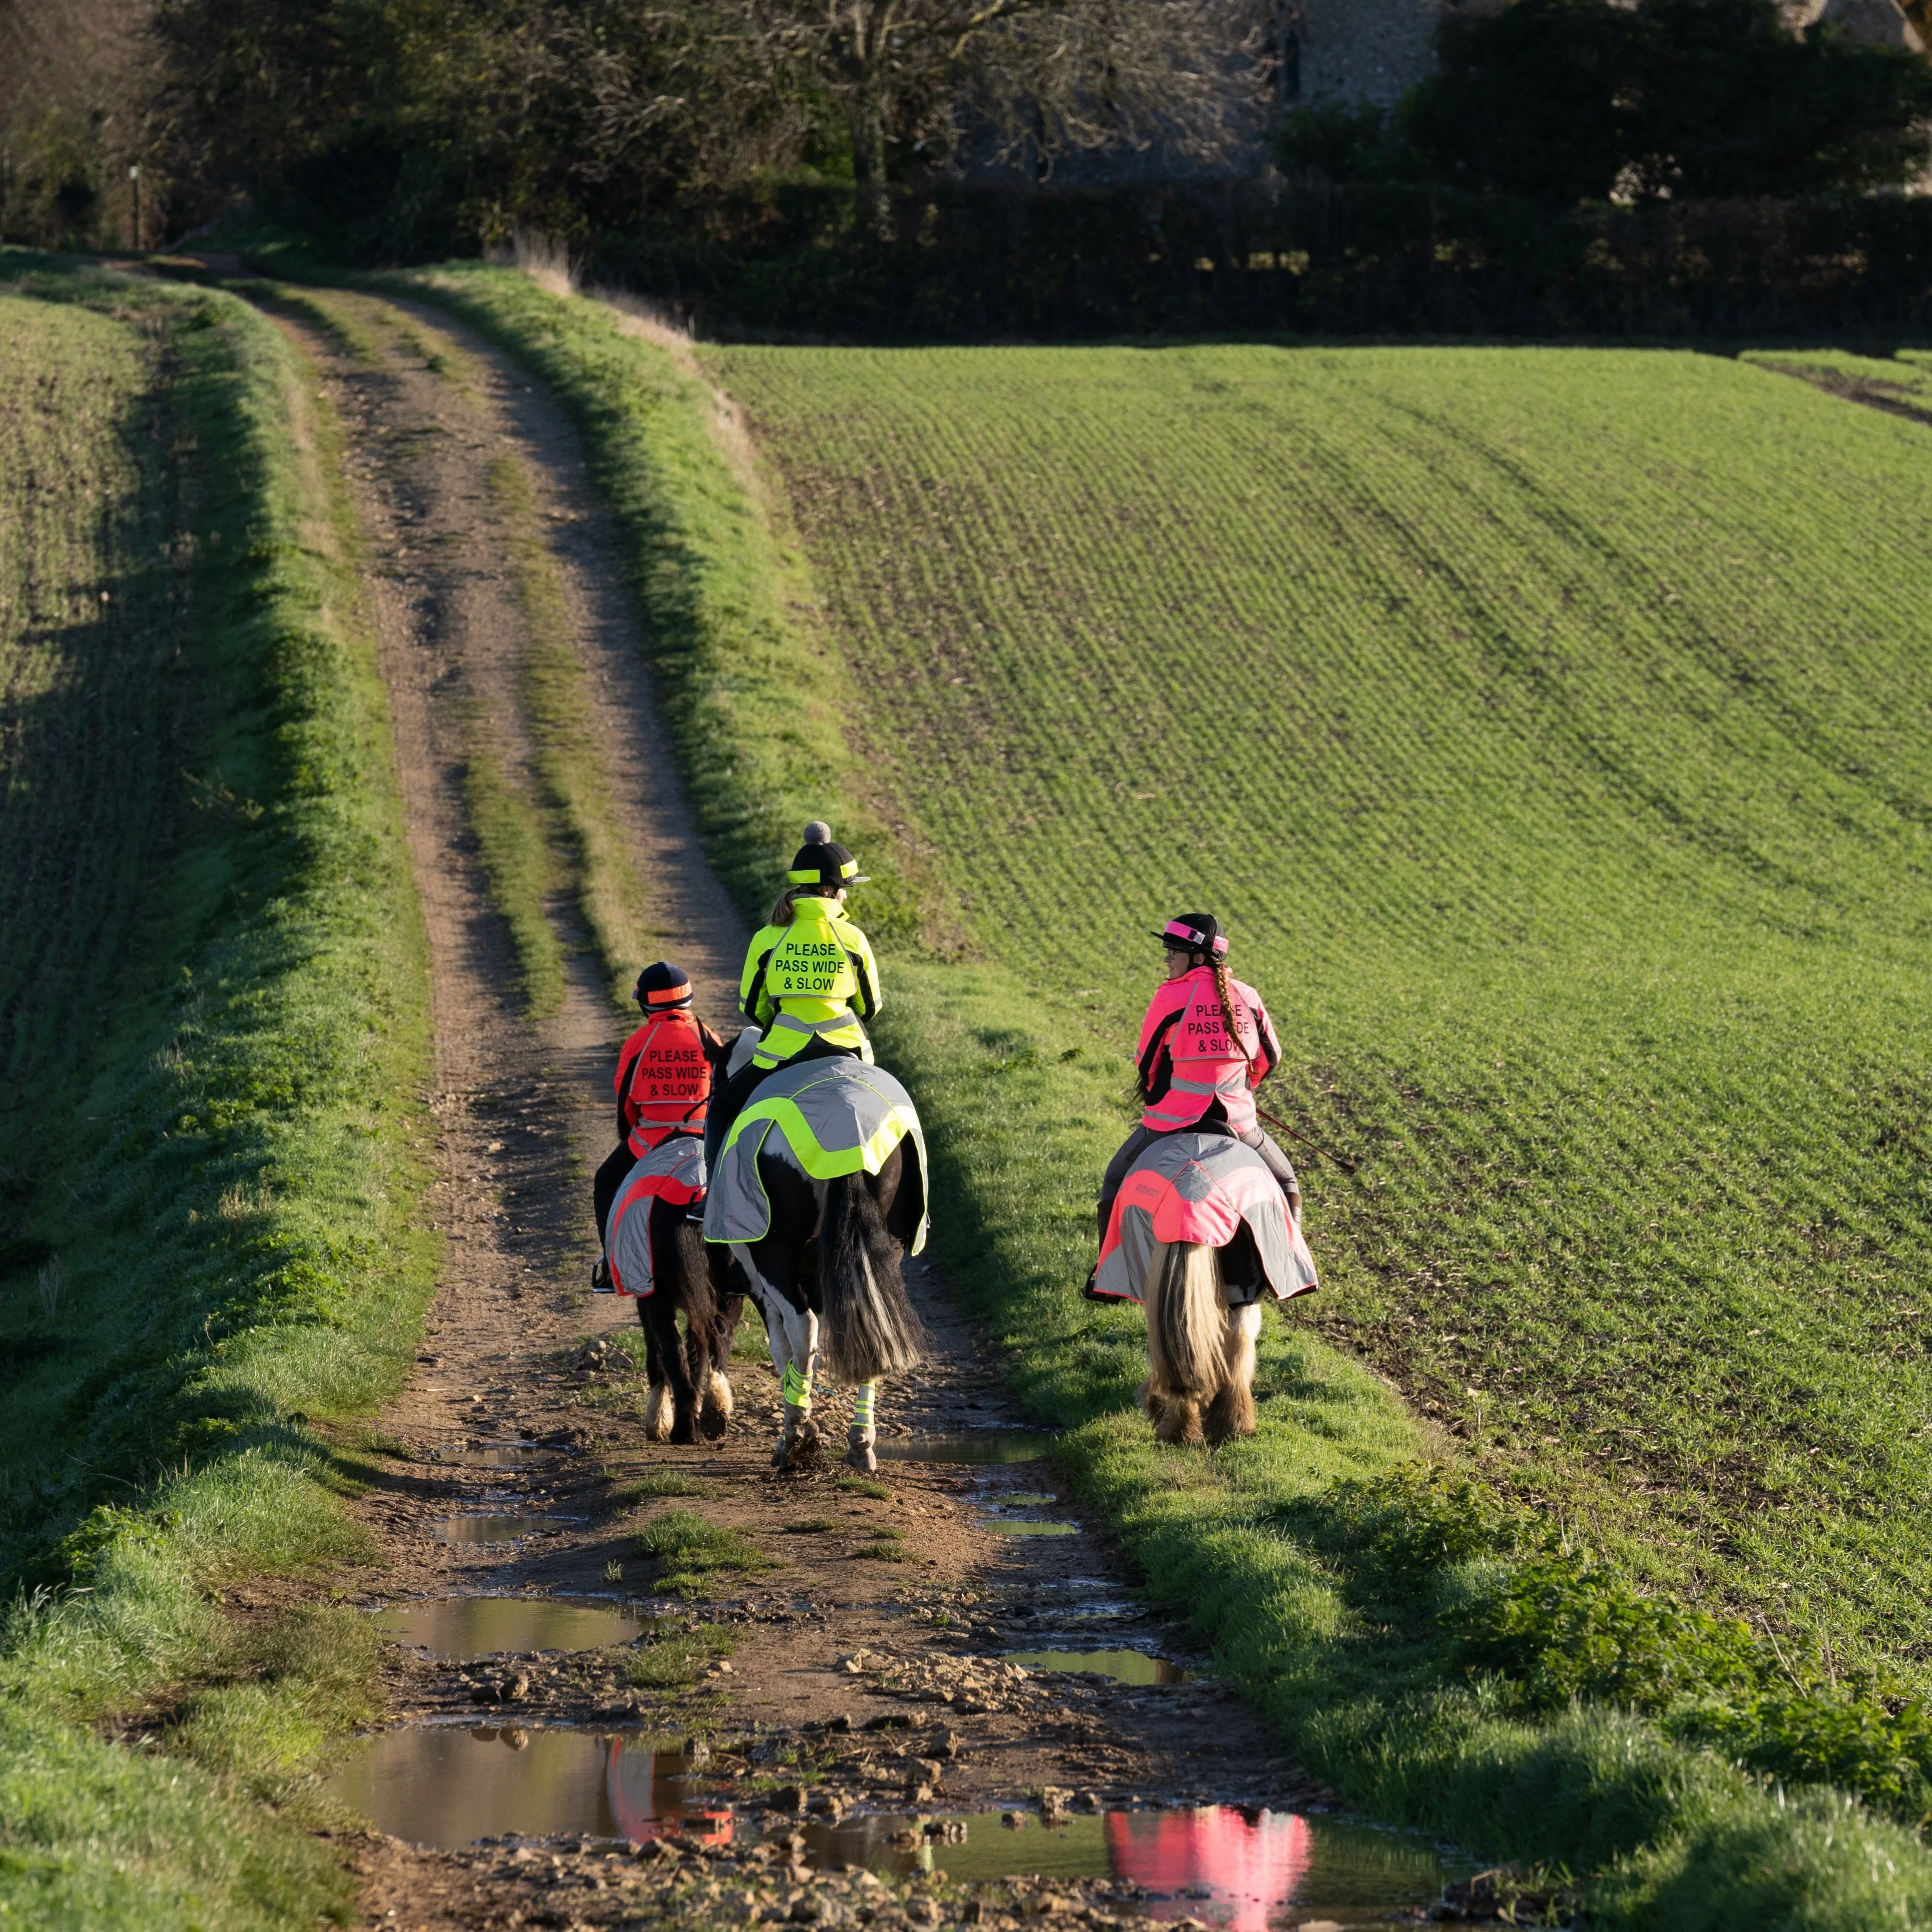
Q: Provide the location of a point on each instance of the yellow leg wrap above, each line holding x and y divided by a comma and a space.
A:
797, 1389
861, 1405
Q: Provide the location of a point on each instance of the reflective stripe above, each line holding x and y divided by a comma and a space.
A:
797, 1389
822, 1163
774, 1049
861, 1405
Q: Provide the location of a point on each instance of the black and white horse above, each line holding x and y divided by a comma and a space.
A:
826, 1278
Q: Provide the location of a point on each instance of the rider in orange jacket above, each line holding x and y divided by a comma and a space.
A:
1197, 1073
663, 1082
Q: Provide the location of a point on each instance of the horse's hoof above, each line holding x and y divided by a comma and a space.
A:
657, 1417
781, 1456
718, 1394
1179, 1423
1230, 1415
859, 1455
684, 1432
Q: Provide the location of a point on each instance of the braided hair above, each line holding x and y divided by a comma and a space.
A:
1220, 963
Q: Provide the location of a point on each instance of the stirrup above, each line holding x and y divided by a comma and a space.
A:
1092, 1275
600, 1277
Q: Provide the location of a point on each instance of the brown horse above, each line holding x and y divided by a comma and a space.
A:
690, 1389
1201, 1346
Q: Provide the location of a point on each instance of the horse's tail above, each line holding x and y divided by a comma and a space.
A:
867, 1323
1184, 1320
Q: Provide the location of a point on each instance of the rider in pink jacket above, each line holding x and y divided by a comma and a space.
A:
1198, 1074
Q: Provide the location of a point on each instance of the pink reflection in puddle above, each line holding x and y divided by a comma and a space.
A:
1250, 1867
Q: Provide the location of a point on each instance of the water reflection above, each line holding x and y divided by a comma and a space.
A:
970, 1445
1017, 1526
448, 1786
1231, 1867
1120, 1666
463, 1628
494, 1455
492, 1528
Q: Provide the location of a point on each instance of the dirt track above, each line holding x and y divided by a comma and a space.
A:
512, 1355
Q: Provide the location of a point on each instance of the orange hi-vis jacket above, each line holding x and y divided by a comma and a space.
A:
664, 1080
1190, 1064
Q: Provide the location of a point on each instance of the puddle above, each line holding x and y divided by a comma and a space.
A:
1232, 1868
1017, 1526
970, 1445
1118, 1666
493, 1528
495, 1455
462, 1628
1021, 1499
449, 1785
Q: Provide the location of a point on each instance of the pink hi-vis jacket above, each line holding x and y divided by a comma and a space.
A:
1189, 1063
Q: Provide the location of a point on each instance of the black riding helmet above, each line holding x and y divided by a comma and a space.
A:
819, 862
661, 987
1194, 932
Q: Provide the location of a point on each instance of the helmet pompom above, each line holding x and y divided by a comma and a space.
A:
818, 833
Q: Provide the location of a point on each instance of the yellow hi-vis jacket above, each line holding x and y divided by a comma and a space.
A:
814, 979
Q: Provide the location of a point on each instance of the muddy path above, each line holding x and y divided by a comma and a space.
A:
864, 1681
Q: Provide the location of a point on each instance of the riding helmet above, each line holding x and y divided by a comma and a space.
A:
1194, 932
660, 987
819, 862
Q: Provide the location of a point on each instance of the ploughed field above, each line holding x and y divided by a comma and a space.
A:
1550, 728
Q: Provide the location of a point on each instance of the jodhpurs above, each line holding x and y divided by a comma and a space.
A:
1118, 1169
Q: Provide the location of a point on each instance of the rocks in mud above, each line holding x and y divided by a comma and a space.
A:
974, 1686
509, 1689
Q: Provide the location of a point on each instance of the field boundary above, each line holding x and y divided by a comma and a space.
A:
262, 1171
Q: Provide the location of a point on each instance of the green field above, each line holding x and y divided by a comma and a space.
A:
1550, 727
215, 1026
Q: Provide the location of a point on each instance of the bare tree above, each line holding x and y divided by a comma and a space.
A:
1057, 76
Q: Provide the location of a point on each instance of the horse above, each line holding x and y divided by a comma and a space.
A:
659, 1256
1200, 1233
821, 1251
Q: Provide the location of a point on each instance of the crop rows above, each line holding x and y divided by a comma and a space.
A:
1550, 728
84, 626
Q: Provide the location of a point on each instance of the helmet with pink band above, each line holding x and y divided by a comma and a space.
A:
1194, 932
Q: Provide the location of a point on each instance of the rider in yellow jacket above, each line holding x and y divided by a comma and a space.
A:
809, 982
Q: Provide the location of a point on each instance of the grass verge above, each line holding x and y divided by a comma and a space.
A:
232, 1204
1431, 1704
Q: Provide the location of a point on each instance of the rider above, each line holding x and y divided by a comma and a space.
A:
1197, 1076
809, 979
663, 1082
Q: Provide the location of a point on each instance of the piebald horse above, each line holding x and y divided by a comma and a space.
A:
826, 1278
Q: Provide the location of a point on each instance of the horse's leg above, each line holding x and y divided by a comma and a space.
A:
792, 1333
858, 1443
1231, 1413
657, 1402
715, 1417
675, 1405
